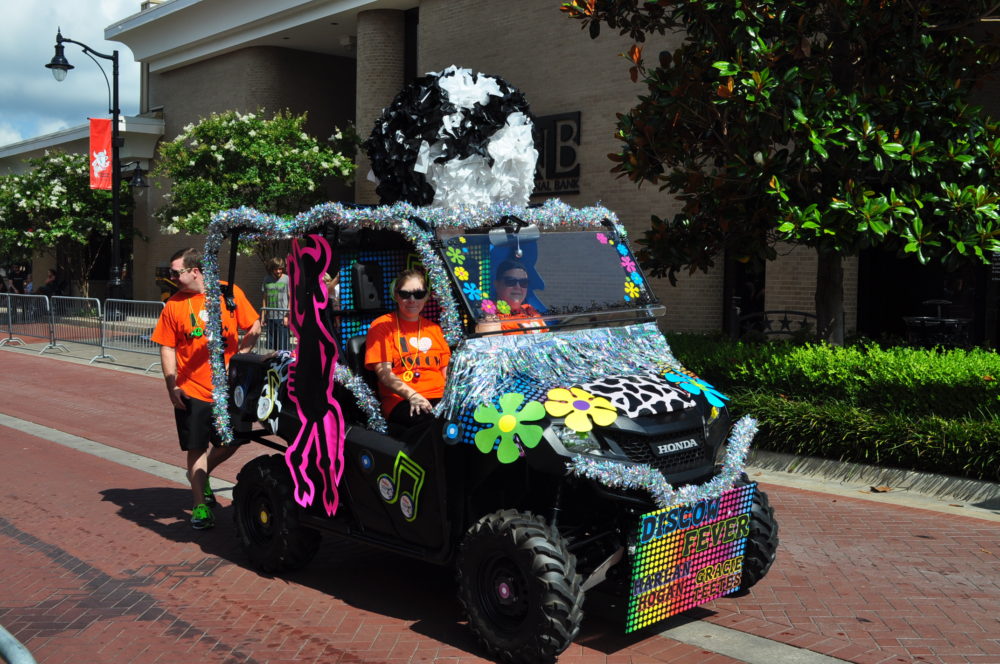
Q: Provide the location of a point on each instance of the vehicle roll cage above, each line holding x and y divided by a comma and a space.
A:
416, 224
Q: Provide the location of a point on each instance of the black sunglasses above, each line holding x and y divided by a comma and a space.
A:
510, 282
411, 294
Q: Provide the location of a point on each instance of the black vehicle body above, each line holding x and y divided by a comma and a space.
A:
435, 495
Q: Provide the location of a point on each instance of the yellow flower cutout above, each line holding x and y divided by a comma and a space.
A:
579, 408
462, 273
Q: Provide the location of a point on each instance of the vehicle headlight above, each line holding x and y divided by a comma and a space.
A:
581, 443
714, 414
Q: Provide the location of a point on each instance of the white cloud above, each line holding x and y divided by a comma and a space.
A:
32, 103
8, 134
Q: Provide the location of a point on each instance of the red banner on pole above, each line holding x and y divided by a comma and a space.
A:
100, 153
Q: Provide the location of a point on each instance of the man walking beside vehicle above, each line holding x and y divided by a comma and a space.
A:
183, 337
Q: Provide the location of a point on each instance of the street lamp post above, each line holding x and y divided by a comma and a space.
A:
60, 67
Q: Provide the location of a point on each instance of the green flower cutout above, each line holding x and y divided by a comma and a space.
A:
503, 307
456, 255
508, 423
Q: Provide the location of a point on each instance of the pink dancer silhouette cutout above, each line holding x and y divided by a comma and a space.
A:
310, 379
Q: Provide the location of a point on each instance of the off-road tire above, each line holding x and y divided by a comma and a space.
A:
266, 516
518, 587
762, 543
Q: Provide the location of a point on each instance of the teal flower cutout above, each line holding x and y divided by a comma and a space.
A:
697, 386
508, 423
472, 291
456, 255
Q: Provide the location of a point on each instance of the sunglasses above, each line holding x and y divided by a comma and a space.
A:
510, 282
176, 273
411, 294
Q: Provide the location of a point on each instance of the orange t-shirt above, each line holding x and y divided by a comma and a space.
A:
173, 329
528, 321
426, 353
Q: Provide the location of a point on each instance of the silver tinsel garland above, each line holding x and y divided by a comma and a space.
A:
642, 476
480, 368
257, 226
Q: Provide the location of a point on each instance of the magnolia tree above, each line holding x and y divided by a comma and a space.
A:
834, 124
232, 159
51, 208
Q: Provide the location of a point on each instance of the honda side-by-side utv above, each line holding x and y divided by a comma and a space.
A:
581, 453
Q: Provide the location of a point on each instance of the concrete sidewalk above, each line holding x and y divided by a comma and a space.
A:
101, 565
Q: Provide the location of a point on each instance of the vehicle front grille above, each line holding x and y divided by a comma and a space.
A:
639, 449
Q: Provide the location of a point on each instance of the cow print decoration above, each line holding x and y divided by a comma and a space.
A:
454, 138
640, 395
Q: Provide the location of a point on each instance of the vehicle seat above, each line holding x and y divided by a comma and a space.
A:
356, 361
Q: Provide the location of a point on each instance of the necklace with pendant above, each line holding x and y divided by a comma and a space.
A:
410, 373
196, 329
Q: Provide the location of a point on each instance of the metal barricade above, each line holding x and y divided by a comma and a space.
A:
274, 333
29, 317
128, 326
5, 319
77, 320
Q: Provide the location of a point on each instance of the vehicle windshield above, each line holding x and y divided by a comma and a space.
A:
525, 278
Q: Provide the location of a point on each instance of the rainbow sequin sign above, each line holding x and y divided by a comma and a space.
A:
687, 555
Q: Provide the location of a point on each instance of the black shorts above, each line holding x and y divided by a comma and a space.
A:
195, 428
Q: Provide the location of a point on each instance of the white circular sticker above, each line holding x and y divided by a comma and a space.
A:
238, 396
386, 487
406, 506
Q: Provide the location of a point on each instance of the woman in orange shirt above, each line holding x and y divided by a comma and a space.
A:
408, 353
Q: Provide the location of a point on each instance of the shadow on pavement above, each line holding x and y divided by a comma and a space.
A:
361, 576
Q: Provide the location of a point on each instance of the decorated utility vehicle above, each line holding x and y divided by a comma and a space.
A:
570, 449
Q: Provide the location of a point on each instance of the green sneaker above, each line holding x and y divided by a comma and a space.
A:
202, 518
210, 500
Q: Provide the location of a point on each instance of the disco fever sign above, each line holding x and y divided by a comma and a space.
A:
687, 555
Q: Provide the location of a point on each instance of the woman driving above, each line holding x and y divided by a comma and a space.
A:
408, 353
512, 286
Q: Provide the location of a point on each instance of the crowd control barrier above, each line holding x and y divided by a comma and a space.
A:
128, 326
77, 320
29, 317
274, 334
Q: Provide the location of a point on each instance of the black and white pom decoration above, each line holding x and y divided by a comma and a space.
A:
454, 138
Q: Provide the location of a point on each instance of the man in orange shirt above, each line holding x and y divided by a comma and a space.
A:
182, 334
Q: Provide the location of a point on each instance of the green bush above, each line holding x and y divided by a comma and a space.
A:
837, 430
906, 381
931, 410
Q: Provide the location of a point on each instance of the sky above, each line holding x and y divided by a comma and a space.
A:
32, 103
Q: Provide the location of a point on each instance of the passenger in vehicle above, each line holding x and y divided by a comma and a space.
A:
408, 353
512, 286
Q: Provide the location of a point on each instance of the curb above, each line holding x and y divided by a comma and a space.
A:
979, 493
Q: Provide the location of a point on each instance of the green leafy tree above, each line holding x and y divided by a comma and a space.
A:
232, 159
834, 124
51, 208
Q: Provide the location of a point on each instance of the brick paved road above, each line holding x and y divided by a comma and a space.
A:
101, 566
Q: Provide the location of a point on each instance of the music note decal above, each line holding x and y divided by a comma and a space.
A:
388, 487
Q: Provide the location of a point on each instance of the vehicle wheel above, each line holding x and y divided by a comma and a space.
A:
267, 521
518, 586
762, 543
